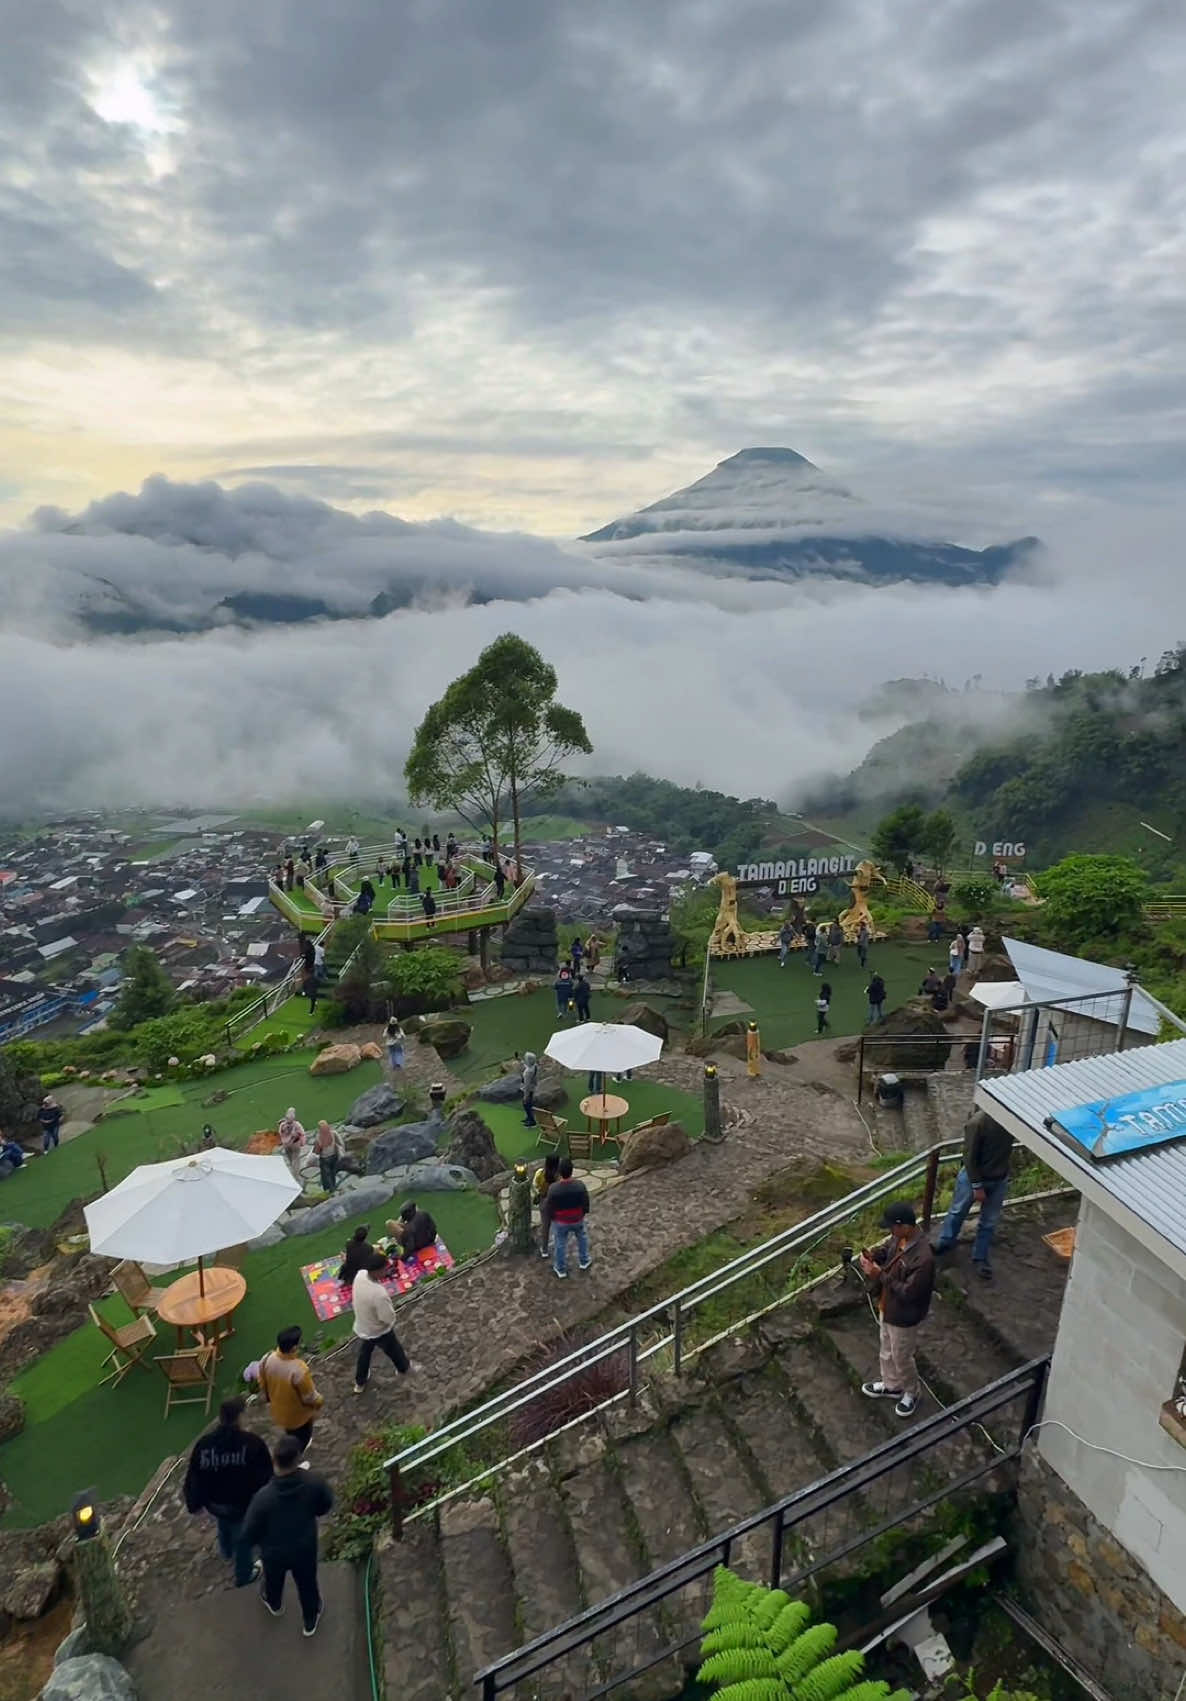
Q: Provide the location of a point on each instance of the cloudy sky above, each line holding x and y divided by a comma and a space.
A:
534, 263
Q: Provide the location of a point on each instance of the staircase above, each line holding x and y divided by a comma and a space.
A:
764, 1414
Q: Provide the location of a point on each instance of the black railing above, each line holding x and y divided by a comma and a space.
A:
678, 1593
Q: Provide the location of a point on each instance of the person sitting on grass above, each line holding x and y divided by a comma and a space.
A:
415, 1230
358, 1251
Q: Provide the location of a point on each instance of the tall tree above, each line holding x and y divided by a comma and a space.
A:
534, 734
1089, 898
899, 835
938, 837
455, 762
145, 990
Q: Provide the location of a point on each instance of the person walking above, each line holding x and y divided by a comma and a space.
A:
282, 1522
983, 1179
327, 1143
311, 988
429, 905
562, 987
835, 941
544, 1177
292, 1143
975, 949
575, 956
393, 1039
901, 1273
568, 1206
374, 1322
822, 1006
863, 944
286, 1383
875, 993
319, 961
955, 956
49, 1114
227, 1467
500, 881
530, 1080
352, 848
581, 993
786, 935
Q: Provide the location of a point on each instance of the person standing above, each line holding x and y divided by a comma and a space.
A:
983, 1178
352, 848
311, 988
581, 993
975, 949
786, 934
901, 1272
374, 1322
289, 875
393, 1039
562, 987
875, 993
568, 1205
327, 1143
500, 881
835, 941
286, 1383
227, 1467
282, 1522
429, 905
544, 1177
955, 956
530, 1080
319, 961
292, 1143
49, 1114
822, 1006
863, 944
576, 955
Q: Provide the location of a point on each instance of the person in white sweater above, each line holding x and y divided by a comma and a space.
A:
374, 1322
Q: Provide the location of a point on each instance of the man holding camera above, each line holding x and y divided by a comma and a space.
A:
901, 1272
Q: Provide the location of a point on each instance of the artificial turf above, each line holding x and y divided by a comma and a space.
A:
645, 1098
783, 1000
522, 1022
111, 1439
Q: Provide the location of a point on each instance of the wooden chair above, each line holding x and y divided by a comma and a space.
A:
231, 1258
127, 1345
550, 1129
580, 1145
134, 1285
192, 1367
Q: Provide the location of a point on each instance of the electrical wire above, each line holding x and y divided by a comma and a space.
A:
1097, 1447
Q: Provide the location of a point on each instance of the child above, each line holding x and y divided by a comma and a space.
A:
821, 1007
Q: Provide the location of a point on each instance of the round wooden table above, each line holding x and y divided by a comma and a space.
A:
604, 1108
195, 1305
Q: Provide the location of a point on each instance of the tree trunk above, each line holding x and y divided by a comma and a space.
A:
518, 830
484, 948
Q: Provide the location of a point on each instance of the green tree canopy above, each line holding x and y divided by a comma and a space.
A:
145, 990
1092, 897
428, 975
900, 835
938, 838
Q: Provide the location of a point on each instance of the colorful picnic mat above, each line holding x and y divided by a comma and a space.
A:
331, 1298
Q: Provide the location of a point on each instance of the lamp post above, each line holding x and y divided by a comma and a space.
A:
105, 1610
712, 1103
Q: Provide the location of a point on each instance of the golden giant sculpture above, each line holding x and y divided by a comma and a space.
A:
729, 938
865, 876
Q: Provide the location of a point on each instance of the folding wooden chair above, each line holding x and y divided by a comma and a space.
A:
550, 1129
231, 1258
130, 1281
580, 1145
192, 1367
127, 1345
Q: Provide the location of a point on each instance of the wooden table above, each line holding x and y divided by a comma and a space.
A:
190, 1304
604, 1108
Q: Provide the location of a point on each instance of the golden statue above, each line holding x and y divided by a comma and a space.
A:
865, 876
729, 938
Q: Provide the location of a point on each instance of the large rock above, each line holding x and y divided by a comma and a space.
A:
336, 1060
550, 1091
504, 1089
12, 1416
371, 1052
430, 1178
655, 1146
74, 1645
371, 1195
30, 1589
449, 1035
905, 1048
378, 1104
89, 1677
471, 1144
530, 945
650, 1020
645, 943
406, 1145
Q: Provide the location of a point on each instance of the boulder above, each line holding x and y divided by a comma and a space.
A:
449, 1034
429, 1178
504, 1089
30, 1589
651, 1021
371, 1052
530, 944
270, 1237
73, 1646
89, 1677
905, 1045
471, 1144
12, 1416
406, 1145
336, 1060
645, 943
655, 1146
783, 1055
378, 1104
369, 1196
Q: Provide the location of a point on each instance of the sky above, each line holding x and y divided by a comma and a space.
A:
534, 264
308, 295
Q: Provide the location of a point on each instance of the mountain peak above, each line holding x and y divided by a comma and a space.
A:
768, 457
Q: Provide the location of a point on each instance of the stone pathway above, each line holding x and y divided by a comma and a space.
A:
473, 1331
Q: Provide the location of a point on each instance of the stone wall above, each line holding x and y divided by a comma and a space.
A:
529, 946
645, 942
1091, 1594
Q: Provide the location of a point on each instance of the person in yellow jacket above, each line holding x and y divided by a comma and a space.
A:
286, 1383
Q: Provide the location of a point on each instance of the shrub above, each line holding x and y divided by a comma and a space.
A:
579, 1394
364, 1502
427, 978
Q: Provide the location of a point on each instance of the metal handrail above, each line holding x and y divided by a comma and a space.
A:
679, 1305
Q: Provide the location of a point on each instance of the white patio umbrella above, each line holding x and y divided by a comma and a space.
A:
190, 1207
607, 1048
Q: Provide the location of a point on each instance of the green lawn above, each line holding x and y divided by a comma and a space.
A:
78, 1435
784, 999
518, 1023
645, 1098
292, 1017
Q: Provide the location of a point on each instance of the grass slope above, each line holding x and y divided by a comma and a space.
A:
784, 999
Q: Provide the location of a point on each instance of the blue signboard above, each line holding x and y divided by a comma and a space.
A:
1108, 1128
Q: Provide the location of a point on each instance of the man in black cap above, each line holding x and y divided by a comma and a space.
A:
901, 1272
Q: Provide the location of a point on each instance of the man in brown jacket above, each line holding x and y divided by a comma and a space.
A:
901, 1272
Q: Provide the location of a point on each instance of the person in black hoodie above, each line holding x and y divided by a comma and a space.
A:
226, 1468
282, 1522
357, 1255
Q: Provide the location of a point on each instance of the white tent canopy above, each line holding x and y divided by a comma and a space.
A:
999, 994
190, 1207
1052, 975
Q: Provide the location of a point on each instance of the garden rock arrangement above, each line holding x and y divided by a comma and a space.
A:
471, 1144
651, 1021
404, 1145
89, 1677
530, 945
507, 1088
378, 1104
449, 1035
336, 1060
655, 1146
646, 943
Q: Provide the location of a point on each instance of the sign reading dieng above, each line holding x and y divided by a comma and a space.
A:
1108, 1128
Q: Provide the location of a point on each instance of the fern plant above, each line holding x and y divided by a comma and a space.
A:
759, 1645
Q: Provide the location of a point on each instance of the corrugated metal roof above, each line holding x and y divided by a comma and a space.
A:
1048, 975
1151, 1184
